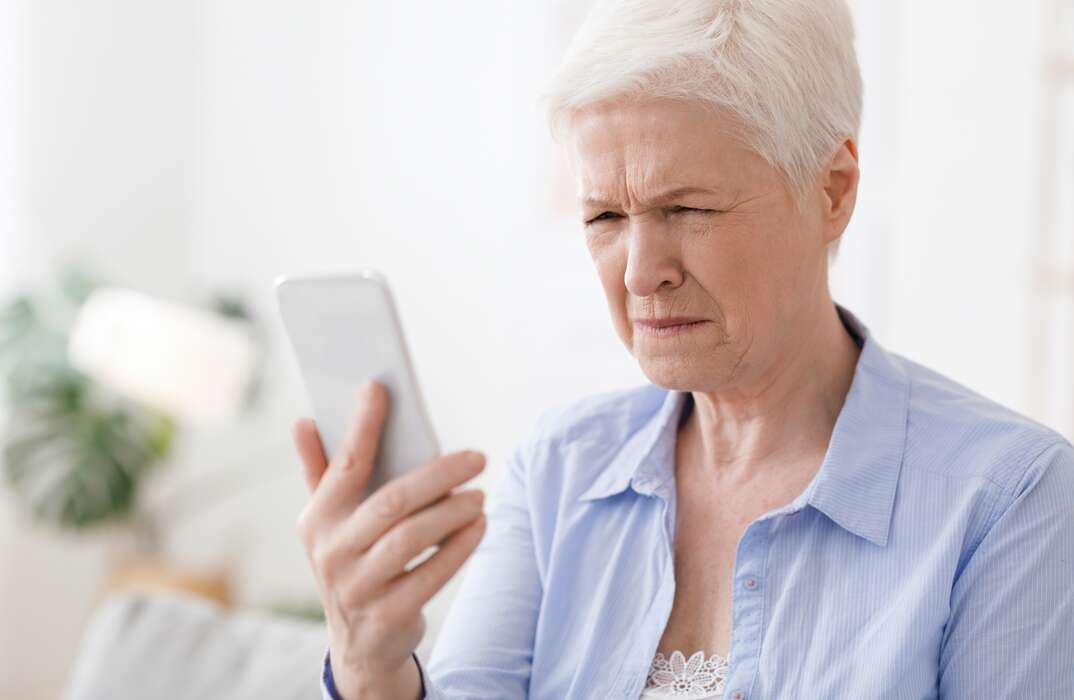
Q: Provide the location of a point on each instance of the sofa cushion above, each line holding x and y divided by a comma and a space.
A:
176, 646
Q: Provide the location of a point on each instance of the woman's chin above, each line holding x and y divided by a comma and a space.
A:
677, 374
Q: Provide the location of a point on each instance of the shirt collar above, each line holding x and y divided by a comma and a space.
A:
855, 485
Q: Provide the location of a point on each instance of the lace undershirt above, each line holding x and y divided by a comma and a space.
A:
696, 678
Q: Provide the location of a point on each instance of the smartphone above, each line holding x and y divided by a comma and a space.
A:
344, 330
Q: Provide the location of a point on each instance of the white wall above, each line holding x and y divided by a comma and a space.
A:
9, 23
967, 188
955, 206
99, 101
9, 13
106, 135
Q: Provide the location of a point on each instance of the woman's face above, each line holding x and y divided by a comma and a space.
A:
682, 220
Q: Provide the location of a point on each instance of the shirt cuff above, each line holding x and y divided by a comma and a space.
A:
421, 672
328, 684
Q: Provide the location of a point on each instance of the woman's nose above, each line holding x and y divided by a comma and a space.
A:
652, 257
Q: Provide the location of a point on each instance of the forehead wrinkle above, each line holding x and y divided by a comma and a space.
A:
654, 191
646, 172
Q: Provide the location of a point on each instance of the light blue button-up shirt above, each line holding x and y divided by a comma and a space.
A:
931, 555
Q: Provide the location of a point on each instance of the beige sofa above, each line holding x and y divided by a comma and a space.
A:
175, 646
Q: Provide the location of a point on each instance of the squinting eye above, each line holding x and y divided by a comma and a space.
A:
600, 217
676, 210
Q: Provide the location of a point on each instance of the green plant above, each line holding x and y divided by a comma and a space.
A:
74, 452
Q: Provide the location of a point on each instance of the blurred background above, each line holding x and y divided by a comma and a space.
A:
166, 160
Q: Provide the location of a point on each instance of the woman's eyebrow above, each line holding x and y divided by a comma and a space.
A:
599, 202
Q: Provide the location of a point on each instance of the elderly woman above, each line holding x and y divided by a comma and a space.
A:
788, 510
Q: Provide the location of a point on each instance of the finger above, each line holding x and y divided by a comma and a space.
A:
363, 440
388, 556
310, 450
351, 465
414, 588
406, 494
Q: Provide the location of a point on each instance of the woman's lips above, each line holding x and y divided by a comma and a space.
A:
663, 328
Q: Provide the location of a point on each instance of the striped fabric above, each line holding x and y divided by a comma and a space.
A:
931, 556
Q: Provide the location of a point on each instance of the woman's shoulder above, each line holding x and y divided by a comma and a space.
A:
959, 431
574, 441
599, 418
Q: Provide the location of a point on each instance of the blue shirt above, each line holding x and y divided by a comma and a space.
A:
931, 555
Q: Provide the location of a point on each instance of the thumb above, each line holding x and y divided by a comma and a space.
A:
308, 443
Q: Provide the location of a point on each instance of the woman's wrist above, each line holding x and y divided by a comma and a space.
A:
406, 684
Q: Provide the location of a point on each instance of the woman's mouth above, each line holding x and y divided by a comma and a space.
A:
663, 328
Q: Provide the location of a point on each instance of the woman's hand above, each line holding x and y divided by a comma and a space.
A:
359, 548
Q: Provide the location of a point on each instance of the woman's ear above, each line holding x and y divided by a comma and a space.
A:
841, 188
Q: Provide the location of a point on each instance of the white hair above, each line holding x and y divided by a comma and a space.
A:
784, 71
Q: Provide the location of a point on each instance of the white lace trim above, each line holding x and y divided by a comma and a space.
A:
696, 677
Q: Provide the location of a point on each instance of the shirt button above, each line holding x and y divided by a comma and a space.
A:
751, 583
737, 695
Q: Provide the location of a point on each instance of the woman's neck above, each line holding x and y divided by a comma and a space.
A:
782, 416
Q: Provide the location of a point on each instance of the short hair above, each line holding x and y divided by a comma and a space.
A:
784, 72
